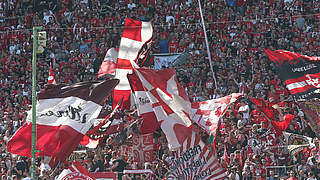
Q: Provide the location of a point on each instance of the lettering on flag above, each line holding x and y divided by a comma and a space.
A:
142, 147
194, 160
300, 73
64, 115
135, 35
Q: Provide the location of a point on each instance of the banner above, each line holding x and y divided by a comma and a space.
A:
164, 60
260, 141
195, 161
311, 109
297, 143
142, 147
104, 175
126, 152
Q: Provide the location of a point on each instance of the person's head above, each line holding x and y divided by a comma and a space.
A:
292, 173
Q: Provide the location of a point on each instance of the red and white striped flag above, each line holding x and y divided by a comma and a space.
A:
108, 65
64, 115
194, 160
144, 106
51, 78
75, 171
134, 36
208, 113
170, 103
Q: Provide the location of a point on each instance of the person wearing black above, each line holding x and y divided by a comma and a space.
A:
118, 166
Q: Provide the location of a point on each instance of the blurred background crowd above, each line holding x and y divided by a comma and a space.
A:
79, 32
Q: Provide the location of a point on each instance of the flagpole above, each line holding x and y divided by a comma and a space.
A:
34, 98
207, 43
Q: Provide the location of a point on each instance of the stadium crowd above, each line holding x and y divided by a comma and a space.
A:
80, 31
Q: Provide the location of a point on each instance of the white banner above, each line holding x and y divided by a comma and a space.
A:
165, 60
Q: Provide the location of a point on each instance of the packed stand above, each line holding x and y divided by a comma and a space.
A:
80, 32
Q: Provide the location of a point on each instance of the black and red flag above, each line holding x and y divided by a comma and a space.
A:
300, 73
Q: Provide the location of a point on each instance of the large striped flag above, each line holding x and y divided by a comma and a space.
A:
170, 103
300, 73
135, 35
64, 114
194, 161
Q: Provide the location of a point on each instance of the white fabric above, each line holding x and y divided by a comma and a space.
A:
90, 111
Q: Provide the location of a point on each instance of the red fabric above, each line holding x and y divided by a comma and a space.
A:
266, 108
282, 125
57, 141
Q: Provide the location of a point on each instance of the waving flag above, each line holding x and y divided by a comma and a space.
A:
144, 106
279, 122
51, 78
193, 161
300, 73
208, 113
170, 103
100, 130
135, 35
75, 171
108, 65
64, 115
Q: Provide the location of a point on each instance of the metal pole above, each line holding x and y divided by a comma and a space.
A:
207, 43
34, 98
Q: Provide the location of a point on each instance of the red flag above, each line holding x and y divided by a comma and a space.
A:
273, 115
64, 114
266, 108
170, 103
75, 171
51, 78
208, 113
282, 125
134, 36
149, 120
108, 65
